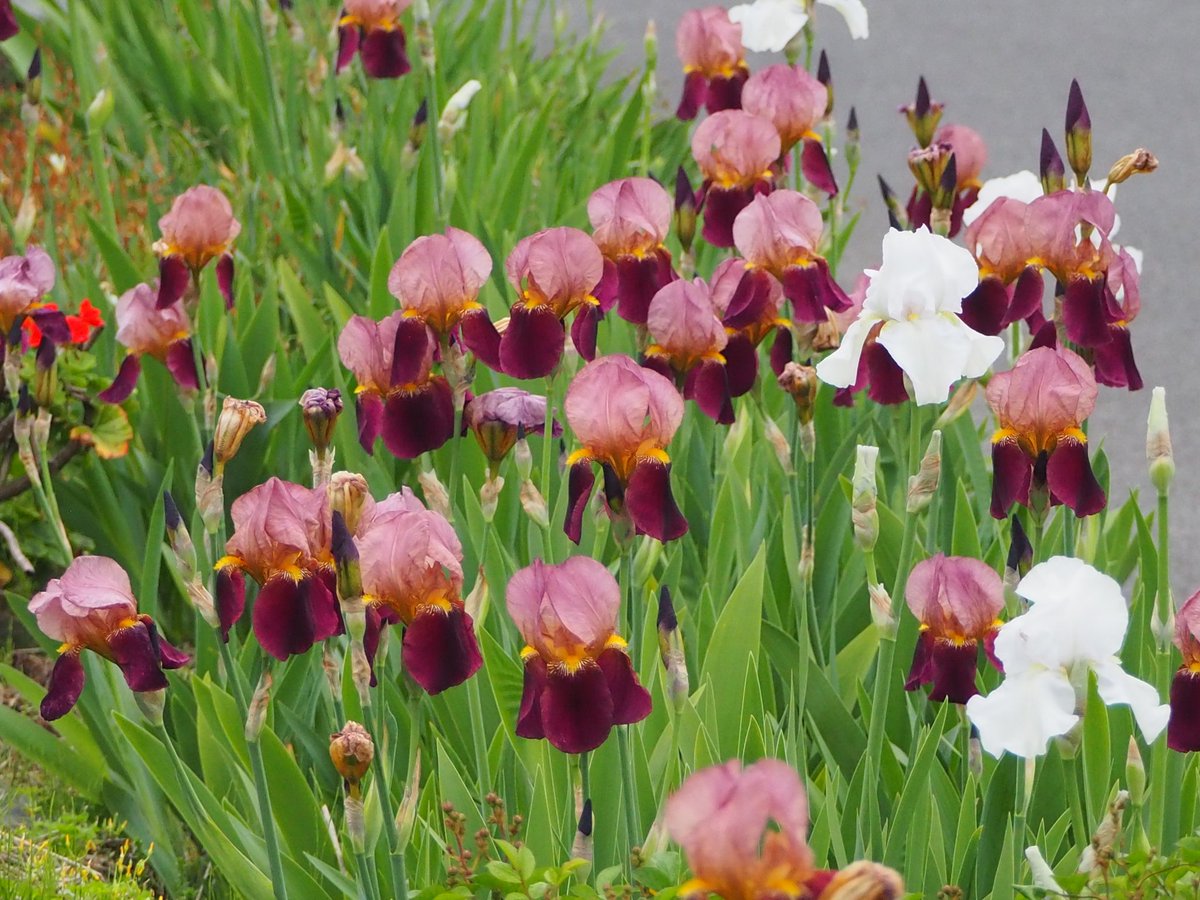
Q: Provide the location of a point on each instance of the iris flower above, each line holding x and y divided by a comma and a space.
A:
795, 102
579, 680
624, 416
372, 29
750, 303
768, 25
714, 61
92, 607
24, 282
910, 324
1040, 447
630, 220
1076, 622
498, 417
735, 151
199, 228
1183, 730
145, 329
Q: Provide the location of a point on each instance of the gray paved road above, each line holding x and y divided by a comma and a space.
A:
1004, 67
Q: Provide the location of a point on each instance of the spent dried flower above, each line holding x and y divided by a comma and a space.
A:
351, 750
236, 420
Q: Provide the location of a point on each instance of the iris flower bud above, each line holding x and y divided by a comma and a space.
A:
864, 514
234, 423
923, 115
348, 493
1140, 162
351, 751
1079, 134
1159, 454
1053, 170
685, 209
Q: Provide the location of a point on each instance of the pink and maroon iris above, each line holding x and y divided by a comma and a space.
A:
92, 607
736, 152
579, 680
1183, 728
956, 600
714, 61
372, 29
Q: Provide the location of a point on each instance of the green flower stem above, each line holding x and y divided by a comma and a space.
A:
1078, 819
1164, 758
43, 492
1024, 792
366, 882
628, 776
548, 465
1069, 523
585, 785
395, 851
278, 885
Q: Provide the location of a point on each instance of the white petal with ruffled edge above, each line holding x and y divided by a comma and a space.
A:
1081, 607
768, 25
1024, 186
936, 351
1118, 686
840, 368
855, 15
1024, 713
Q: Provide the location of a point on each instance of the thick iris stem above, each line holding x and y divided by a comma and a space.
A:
43, 491
278, 885
1024, 793
628, 776
548, 465
1068, 532
366, 884
399, 884
1160, 782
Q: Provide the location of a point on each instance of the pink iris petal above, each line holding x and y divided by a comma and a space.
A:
615, 407
735, 148
564, 609
367, 349
630, 217
439, 275
778, 230
970, 151
683, 322
707, 41
559, 266
1046, 392
789, 97
144, 328
89, 601
955, 596
23, 280
279, 526
199, 226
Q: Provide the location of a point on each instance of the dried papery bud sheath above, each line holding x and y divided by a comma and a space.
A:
1159, 454
779, 443
685, 209
1053, 172
864, 514
882, 614
1140, 162
865, 880
923, 114
582, 847
436, 495
801, 382
233, 424
923, 485
348, 494
670, 645
1043, 875
1079, 133
534, 504
256, 714
210, 492
151, 703
489, 495
1099, 853
406, 815
351, 750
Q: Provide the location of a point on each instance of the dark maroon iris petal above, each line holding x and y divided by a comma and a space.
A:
885, 379
989, 639
53, 325
751, 300
741, 364
726, 93
949, 667
375, 624
418, 421
630, 701
577, 708
1071, 480
919, 209
440, 650
135, 650
659, 364
579, 491
638, 280
1026, 295
480, 336
383, 53
348, 40
290, 616
962, 201
173, 277
66, 684
529, 717
168, 655
584, 328
812, 291
814, 163
124, 383
708, 384
225, 278
986, 308
409, 350
721, 207
1114, 362
1044, 335
1183, 728
368, 410
8, 28
532, 344
181, 363
606, 290
781, 350
695, 93
231, 599
650, 502
1012, 472
844, 397
1084, 312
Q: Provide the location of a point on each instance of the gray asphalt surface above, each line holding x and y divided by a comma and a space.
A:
1004, 68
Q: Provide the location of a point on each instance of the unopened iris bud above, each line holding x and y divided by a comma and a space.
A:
582, 847
436, 495
233, 424
923, 115
348, 493
960, 402
454, 115
865, 880
1135, 774
801, 382
864, 514
896, 218
853, 139
210, 491
45, 374
1079, 134
351, 750
670, 645
476, 602
1054, 173
1159, 454
934, 169
416, 136
779, 443
1140, 162
923, 485
1043, 875
345, 558
178, 537
685, 210
1020, 555
100, 110
825, 76
25, 219
321, 407
33, 78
